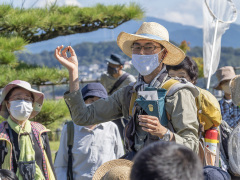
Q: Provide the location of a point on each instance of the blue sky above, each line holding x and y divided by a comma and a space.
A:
187, 13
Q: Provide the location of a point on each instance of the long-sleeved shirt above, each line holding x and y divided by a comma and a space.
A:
230, 112
108, 81
180, 106
91, 148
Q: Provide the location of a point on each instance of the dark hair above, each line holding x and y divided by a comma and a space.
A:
166, 161
7, 175
189, 65
11, 91
88, 97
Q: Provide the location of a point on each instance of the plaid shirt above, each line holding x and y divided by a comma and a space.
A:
230, 113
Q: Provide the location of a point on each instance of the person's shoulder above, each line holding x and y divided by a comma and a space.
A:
131, 78
38, 125
109, 125
180, 86
104, 74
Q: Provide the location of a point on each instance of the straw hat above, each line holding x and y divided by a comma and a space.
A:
154, 32
224, 73
118, 169
38, 98
235, 90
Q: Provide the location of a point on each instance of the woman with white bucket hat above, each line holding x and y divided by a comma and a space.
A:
25, 145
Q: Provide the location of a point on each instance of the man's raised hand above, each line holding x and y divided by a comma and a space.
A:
71, 63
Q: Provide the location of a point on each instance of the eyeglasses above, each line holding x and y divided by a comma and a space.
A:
148, 49
21, 97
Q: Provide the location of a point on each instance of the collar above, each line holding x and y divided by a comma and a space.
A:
140, 85
229, 101
98, 126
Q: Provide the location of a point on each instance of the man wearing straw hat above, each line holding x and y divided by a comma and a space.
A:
230, 112
150, 50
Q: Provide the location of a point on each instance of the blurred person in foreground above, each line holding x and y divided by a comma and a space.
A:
93, 145
166, 161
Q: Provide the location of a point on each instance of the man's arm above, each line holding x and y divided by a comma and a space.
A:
183, 111
102, 110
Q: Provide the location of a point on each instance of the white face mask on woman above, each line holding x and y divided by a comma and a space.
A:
20, 109
145, 64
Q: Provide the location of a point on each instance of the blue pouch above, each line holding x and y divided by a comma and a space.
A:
154, 107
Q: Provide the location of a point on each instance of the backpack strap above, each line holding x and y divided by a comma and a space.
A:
169, 84
118, 83
3, 152
70, 137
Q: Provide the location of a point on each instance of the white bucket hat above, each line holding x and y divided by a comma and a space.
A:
37, 102
154, 32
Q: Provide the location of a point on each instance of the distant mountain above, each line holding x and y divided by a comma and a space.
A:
177, 33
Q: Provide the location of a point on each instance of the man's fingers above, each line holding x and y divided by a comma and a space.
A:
57, 54
148, 130
148, 117
72, 51
150, 121
58, 51
64, 52
147, 125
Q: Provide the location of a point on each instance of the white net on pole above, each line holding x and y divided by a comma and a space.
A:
217, 15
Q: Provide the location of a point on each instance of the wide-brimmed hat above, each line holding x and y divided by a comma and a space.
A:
37, 102
116, 59
94, 89
118, 169
235, 90
154, 32
224, 73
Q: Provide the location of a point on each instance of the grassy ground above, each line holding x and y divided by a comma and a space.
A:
54, 147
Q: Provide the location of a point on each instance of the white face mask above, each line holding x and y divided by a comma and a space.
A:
20, 109
145, 64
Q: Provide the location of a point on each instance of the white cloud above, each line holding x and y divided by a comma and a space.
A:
59, 2
179, 17
72, 2
43, 3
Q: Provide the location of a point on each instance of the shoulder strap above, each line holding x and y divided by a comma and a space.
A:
132, 100
70, 133
70, 137
43, 137
3, 152
169, 84
118, 82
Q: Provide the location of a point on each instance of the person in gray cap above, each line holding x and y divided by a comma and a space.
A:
92, 146
115, 78
230, 112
